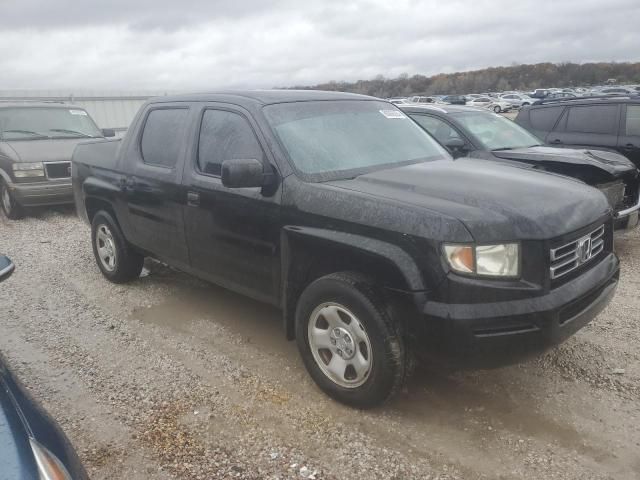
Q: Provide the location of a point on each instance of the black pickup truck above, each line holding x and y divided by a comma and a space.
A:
341, 211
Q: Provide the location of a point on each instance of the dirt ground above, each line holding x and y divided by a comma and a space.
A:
169, 377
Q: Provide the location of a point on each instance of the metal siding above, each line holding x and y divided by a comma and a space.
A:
109, 109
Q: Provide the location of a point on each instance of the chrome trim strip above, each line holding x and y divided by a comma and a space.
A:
628, 211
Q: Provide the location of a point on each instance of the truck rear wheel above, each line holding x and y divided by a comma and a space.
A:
117, 261
12, 209
349, 342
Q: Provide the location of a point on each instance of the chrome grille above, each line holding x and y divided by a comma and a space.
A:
568, 257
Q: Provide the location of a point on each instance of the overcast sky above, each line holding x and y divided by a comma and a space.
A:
209, 44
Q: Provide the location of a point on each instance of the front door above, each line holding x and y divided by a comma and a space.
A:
154, 200
233, 234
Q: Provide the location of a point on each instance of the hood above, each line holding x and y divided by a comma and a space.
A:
44, 150
570, 160
495, 202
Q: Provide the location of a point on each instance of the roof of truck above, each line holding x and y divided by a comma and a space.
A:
264, 97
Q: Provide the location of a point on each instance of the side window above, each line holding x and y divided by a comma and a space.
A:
440, 130
593, 119
225, 136
162, 136
544, 118
633, 120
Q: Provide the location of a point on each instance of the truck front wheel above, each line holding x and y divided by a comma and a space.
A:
348, 340
117, 261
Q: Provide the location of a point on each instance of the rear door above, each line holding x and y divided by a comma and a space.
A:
153, 196
588, 126
629, 138
233, 234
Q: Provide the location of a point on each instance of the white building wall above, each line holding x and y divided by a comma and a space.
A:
113, 109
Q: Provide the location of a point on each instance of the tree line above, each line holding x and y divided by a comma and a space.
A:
493, 79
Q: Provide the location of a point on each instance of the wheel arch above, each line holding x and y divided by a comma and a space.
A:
310, 253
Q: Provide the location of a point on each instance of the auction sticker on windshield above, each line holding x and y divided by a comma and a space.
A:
78, 112
393, 114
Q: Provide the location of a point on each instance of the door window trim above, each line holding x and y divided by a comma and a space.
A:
144, 125
196, 153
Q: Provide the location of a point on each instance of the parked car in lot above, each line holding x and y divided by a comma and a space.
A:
489, 103
36, 143
344, 213
517, 100
421, 99
604, 122
556, 95
32, 446
470, 132
455, 99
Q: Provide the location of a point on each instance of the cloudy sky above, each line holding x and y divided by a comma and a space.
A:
208, 44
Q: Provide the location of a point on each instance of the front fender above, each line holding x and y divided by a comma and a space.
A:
301, 247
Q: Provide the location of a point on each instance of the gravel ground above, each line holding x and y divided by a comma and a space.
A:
169, 377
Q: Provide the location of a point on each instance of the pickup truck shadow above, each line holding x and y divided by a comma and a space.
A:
471, 402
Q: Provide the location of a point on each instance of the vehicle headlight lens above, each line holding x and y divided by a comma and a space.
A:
502, 260
49, 466
28, 170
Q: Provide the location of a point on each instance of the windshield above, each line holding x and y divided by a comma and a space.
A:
496, 132
35, 123
341, 139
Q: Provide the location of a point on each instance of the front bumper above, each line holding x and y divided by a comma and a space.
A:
501, 331
627, 219
51, 192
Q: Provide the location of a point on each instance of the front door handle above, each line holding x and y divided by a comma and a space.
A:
193, 199
557, 141
630, 146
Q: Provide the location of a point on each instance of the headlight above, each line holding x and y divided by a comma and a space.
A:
28, 170
502, 260
49, 466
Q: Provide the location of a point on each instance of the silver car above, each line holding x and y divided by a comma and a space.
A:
517, 99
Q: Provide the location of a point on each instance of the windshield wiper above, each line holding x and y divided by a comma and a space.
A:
74, 132
28, 132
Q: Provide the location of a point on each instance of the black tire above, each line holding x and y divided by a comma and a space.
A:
11, 208
389, 365
497, 109
126, 263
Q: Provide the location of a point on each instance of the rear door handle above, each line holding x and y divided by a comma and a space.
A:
630, 146
193, 199
557, 141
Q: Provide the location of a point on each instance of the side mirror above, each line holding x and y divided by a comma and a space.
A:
456, 146
6, 267
242, 173
108, 132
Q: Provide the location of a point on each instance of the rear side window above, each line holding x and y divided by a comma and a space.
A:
633, 120
162, 136
225, 136
544, 118
593, 119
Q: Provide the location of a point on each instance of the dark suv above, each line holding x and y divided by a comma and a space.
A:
605, 122
36, 143
478, 133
